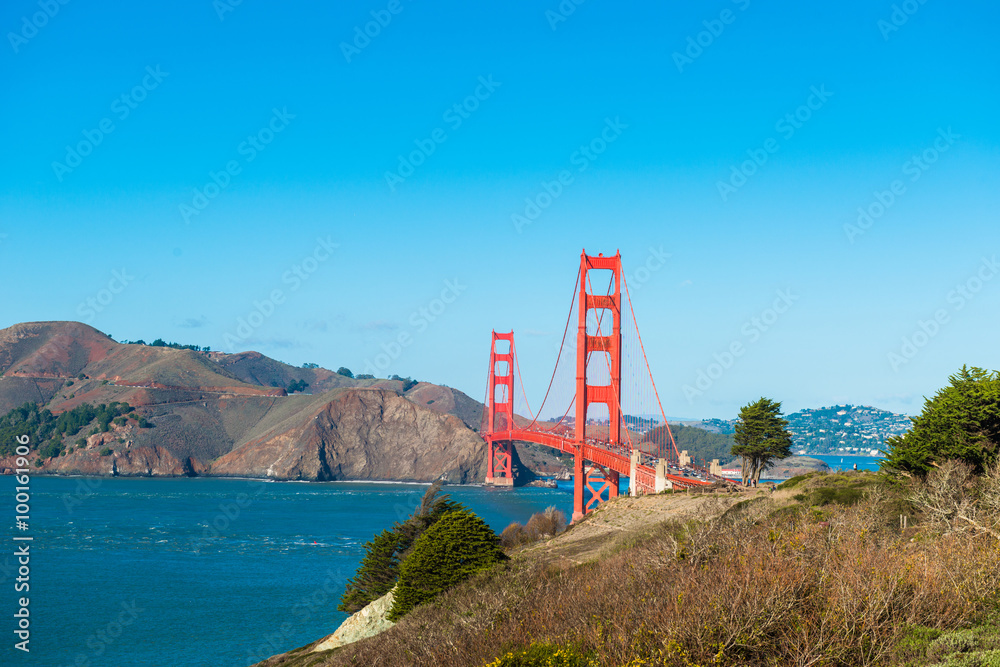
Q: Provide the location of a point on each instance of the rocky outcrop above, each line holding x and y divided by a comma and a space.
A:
368, 622
362, 434
131, 462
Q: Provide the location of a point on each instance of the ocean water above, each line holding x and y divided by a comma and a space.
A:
202, 571
847, 462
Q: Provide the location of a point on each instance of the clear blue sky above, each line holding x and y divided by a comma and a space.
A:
329, 122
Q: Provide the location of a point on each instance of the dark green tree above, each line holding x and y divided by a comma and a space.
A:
450, 551
761, 436
379, 568
376, 575
961, 422
346, 372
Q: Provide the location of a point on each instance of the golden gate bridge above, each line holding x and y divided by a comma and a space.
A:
606, 440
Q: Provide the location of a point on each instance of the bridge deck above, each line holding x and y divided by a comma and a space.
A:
599, 452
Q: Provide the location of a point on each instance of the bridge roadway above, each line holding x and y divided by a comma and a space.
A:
597, 451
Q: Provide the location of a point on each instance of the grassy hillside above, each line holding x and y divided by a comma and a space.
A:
816, 572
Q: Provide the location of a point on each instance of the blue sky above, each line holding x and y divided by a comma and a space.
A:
672, 99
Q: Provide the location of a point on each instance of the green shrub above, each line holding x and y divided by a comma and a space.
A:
794, 481
453, 549
106, 451
82, 442
544, 655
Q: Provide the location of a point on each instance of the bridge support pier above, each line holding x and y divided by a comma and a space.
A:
662, 483
578, 484
498, 463
633, 471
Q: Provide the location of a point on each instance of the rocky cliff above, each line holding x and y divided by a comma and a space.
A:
230, 415
362, 434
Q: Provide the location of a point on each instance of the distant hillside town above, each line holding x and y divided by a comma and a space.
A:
844, 429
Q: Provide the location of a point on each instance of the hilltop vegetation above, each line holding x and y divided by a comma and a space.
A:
47, 432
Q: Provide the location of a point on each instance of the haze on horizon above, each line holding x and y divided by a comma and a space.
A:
818, 184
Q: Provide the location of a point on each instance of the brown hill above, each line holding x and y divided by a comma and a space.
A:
228, 414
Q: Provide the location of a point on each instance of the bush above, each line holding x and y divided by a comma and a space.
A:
513, 536
450, 551
106, 451
549, 523
544, 655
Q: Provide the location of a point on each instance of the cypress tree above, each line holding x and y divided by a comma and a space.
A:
453, 549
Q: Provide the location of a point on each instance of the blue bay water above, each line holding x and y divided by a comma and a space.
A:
838, 462
203, 571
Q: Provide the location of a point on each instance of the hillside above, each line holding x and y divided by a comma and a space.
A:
844, 429
819, 571
838, 429
230, 414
